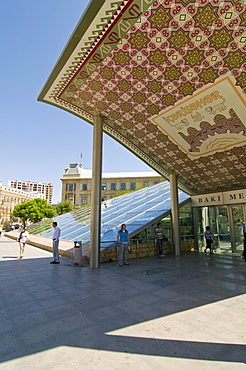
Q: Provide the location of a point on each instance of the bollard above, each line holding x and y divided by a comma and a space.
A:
78, 253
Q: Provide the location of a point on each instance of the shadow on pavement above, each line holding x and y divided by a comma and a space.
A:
45, 306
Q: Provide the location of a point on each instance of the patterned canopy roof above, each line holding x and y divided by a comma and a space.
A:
169, 78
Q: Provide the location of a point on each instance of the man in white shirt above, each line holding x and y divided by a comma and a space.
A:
56, 236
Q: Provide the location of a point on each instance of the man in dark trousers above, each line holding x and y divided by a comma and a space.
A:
159, 238
56, 237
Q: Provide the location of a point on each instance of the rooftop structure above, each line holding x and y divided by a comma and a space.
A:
77, 183
169, 80
77, 169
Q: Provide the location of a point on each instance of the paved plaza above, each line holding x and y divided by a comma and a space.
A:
169, 313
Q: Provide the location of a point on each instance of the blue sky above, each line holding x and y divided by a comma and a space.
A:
37, 140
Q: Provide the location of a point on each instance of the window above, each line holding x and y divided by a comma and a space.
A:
157, 182
133, 186
145, 184
123, 186
84, 187
70, 187
70, 198
104, 187
113, 186
83, 201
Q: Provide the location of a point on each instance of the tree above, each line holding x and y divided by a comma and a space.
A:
34, 210
64, 207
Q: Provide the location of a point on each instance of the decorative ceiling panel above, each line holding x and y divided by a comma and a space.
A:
169, 78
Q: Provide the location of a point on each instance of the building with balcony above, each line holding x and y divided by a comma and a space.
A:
34, 187
10, 197
76, 183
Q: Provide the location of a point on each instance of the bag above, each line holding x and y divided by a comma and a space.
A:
18, 239
212, 246
129, 250
117, 244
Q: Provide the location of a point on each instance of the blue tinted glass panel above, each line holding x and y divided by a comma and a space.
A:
134, 209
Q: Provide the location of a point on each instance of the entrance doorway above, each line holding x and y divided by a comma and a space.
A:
227, 224
238, 215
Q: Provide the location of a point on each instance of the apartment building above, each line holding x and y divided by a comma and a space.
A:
10, 197
34, 187
76, 183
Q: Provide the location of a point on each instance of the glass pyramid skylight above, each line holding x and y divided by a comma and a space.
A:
137, 210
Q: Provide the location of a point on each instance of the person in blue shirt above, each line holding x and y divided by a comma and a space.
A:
124, 241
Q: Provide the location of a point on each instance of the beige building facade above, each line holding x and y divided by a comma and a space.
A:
76, 183
10, 197
34, 187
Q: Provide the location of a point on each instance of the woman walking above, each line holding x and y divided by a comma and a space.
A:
24, 236
209, 239
124, 241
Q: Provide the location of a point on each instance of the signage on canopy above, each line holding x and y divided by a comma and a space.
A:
212, 120
216, 199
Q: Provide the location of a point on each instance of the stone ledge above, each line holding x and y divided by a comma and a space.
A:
66, 248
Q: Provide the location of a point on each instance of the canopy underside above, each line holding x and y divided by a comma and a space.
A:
169, 78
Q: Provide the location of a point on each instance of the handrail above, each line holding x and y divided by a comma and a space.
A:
113, 241
137, 247
146, 239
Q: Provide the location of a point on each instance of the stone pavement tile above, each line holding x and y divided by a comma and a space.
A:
5, 324
236, 276
11, 347
29, 321
23, 309
150, 315
90, 359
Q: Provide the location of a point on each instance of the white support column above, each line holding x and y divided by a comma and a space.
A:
175, 213
96, 194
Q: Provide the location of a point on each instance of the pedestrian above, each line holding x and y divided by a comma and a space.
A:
209, 240
244, 248
56, 237
1, 229
24, 236
159, 238
124, 241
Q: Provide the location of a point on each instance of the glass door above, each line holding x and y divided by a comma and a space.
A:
238, 226
224, 234
218, 219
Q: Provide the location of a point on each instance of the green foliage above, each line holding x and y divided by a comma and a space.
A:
6, 225
128, 191
85, 205
34, 210
64, 207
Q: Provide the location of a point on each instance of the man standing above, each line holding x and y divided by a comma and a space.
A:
56, 236
159, 237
